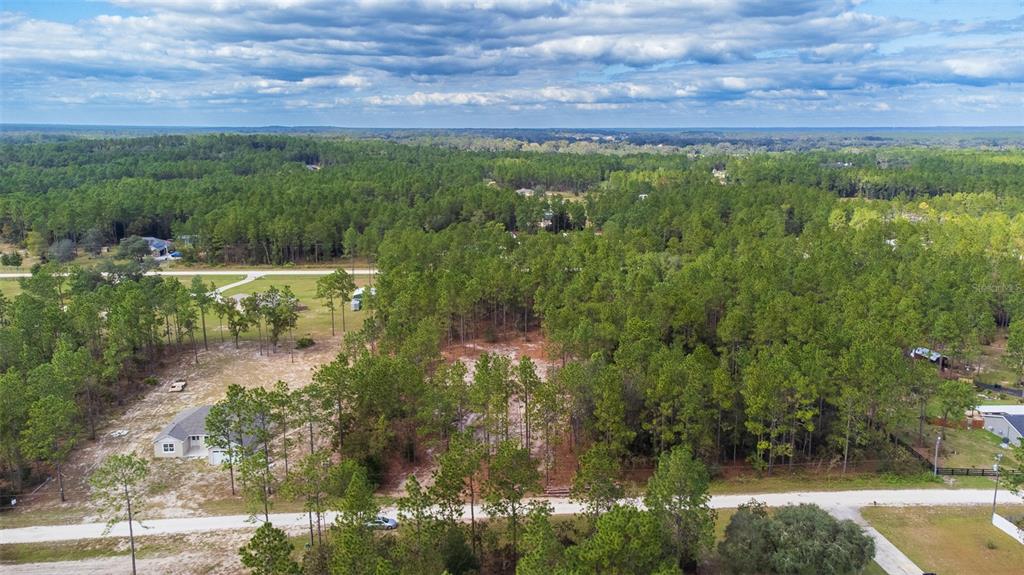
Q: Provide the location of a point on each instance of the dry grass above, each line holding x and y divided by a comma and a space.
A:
171, 554
950, 540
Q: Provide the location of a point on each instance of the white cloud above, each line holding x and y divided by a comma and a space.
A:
707, 56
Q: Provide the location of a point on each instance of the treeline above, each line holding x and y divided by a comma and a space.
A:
264, 198
254, 199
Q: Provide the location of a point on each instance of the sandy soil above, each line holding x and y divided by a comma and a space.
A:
209, 553
178, 487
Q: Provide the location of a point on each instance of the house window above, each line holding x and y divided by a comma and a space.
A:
194, 437
168, 448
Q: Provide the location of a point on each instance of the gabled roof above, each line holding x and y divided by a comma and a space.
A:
1017, 421
192, 421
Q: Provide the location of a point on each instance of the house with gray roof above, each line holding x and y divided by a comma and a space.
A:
1006, 421
185, 436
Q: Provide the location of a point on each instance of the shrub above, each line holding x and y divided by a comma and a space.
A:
151, 381
795, 539
304, 342
12, 259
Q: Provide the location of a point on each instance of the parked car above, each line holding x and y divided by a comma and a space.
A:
178, 386
381, 522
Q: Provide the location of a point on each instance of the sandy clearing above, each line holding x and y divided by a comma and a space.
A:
179, 487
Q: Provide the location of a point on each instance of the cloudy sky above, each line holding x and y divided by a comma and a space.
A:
502, 63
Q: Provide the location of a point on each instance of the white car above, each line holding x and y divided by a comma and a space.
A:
381, 522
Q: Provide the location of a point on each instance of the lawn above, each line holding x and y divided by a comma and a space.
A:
316, 319
950, 540
962, 447
10, 288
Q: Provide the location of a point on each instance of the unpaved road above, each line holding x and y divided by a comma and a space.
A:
842, 504
830, 500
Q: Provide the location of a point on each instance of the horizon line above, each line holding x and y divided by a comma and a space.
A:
422, 128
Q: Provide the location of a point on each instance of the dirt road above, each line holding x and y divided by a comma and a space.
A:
830, 500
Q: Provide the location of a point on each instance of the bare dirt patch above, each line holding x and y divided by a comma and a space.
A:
214, 553
178, 487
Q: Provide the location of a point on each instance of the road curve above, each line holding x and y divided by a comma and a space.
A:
832, 501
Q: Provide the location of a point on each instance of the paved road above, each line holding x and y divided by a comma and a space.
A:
832, 501
220, 272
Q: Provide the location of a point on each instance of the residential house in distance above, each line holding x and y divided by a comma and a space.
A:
158, 247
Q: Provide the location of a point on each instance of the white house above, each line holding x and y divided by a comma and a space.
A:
186, 436
1006, 421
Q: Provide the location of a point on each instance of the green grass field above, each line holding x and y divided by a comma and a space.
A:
10, 287
950, 540
315, 320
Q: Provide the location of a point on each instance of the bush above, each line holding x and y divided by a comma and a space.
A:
12, 259
304, 342
795, 539
151, 381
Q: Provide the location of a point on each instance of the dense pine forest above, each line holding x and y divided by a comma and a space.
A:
749, 308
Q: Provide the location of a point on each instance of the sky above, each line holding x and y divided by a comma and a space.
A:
513, 64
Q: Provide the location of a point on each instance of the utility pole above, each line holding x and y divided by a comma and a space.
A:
999, 457
935, 466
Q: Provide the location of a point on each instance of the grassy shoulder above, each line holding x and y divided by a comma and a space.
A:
145, 546
950, 539
803, 481
216, 280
